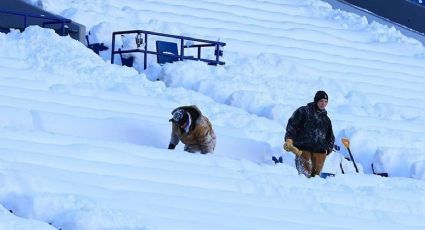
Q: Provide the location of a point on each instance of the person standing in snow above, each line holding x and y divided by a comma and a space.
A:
309, 135
193, 129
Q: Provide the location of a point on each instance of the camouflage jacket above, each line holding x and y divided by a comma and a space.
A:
200, 137
310, 129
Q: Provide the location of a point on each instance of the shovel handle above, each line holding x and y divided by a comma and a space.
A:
346, 142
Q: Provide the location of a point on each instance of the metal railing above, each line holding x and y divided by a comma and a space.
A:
47, 20
142, 38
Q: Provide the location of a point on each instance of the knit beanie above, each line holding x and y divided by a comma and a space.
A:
320, 95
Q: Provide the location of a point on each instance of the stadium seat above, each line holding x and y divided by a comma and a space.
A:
127, 61
168, 48
96, 47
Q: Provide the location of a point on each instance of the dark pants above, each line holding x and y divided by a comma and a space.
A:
310, 164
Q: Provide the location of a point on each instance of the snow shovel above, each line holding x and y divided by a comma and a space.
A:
379, 174
346, 143
324, 175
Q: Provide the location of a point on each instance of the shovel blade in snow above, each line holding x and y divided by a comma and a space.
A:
325, 175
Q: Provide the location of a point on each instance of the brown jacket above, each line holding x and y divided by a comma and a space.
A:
201, 136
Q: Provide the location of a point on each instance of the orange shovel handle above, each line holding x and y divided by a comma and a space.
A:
346, 142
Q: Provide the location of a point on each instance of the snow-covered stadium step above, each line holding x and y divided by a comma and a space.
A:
117, 105
415, 83
124, 127
116, 129
254, 16
385, 89
65, 103
6, 80
358, 56
148, 164
116, 175
114, 106
174, 198
134, 182
34, 106
135, 156
145, 131
21, 82
126, 130
11, 221
12, 63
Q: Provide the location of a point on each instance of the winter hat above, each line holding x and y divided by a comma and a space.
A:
320, 95
179, 117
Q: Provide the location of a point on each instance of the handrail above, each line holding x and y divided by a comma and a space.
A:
53, 20
205, 43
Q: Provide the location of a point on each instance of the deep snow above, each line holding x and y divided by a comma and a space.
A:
83, 143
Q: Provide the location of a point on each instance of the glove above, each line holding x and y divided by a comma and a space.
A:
289, 147
297, 152
171, 146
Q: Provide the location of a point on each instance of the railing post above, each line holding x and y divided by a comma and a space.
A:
199, 52
145, 53
217, 53
63, 28
181, 49
113, 48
